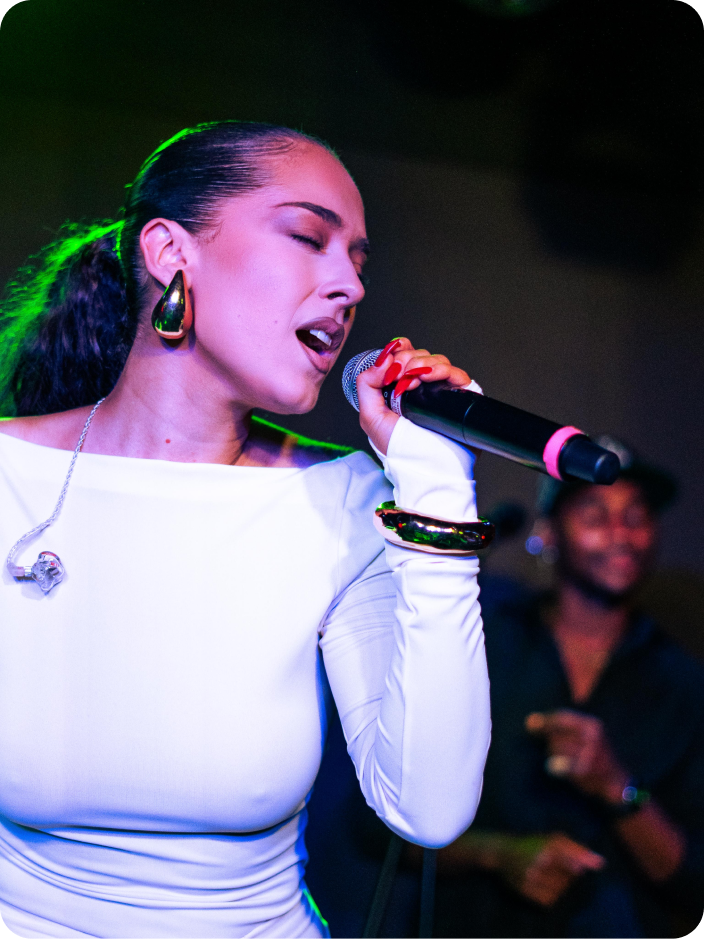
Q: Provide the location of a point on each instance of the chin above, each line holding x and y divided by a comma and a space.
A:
607, 591
619, 588
300, 403
615, 585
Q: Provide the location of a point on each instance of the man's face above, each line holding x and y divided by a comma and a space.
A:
606, 536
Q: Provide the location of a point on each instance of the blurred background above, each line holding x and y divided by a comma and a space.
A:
531, 171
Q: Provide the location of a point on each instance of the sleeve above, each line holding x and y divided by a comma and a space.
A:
404, 653
682, 799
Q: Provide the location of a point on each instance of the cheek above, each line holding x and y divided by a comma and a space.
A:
587, 539
643, 540
246, 296
240, 284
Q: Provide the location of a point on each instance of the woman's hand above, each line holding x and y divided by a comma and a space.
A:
398, 362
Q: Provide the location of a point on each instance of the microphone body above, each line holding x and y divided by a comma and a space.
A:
476, 420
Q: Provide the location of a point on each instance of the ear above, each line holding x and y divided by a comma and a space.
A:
167, 247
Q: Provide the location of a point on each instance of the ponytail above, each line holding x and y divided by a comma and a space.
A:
66, 325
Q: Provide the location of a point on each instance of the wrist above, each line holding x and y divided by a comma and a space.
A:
626, 799
509, 849
431, 474
489, 850
612, 790
498, 851
379, 431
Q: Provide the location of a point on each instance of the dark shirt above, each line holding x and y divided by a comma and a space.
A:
650, 698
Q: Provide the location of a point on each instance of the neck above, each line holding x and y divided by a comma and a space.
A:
171, 404
585, 618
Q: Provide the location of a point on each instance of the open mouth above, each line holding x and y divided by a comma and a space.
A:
323, 338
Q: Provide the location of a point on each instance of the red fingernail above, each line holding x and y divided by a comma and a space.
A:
392, 373
408, 378
386, 351
403, 385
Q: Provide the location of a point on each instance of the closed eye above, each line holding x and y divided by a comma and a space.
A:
318, 245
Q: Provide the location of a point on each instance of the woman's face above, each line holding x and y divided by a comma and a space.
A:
274, 289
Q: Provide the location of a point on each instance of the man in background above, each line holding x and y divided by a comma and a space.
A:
592, 818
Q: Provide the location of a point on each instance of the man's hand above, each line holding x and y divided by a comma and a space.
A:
542, 867
579, 751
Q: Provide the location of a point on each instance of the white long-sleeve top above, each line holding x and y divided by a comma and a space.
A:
161, 710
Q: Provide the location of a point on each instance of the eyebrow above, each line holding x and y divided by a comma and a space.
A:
327, 215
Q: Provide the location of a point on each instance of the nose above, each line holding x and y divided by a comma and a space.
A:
621, 534
343, 288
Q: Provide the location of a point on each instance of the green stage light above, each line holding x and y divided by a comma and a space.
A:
509, 7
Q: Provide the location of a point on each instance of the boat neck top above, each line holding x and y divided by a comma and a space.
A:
163, 708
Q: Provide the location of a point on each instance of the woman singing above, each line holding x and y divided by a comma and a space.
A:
161, 661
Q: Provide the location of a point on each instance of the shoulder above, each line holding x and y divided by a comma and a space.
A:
353, 474
60, 430
277, 446
676, 666
285, 448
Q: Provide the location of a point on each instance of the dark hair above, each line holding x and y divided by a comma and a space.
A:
69, 320
659, 488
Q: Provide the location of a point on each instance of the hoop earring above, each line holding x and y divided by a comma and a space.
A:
173, 314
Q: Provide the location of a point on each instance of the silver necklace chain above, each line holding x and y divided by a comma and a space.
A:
48, 569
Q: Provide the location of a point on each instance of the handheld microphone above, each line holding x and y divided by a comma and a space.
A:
475, 420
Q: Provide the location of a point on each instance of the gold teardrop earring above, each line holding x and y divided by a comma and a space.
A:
173, 314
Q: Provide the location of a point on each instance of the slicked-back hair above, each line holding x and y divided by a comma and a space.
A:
69, 319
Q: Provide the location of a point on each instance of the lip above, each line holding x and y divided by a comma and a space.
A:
323, 359
622, 564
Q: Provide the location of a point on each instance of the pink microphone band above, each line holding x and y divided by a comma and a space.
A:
551, 453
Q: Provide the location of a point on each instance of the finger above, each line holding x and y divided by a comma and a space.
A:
411, 377
569, 755
420, 358
559, 764
396, 346
578, 866
418, 365
441, 368
575, 857
397, 352
458, 378
387, 350
583, 763
392, 373
535, 722
565, 720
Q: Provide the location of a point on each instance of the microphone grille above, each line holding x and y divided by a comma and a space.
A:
360, 363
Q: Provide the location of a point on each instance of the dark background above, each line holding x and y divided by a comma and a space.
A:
531, 169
